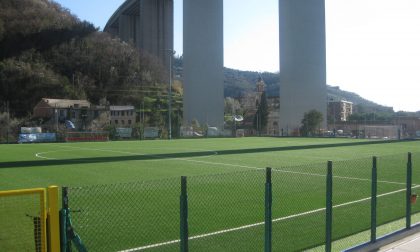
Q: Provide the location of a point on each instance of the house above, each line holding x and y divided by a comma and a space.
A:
339, 111
55, 112
62, 108
122, 116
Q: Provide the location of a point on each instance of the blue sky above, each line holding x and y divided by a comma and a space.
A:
373, 46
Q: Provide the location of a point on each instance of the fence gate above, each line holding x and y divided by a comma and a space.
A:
23, 220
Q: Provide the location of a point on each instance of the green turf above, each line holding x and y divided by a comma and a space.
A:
17, 226
128, 192
116, 162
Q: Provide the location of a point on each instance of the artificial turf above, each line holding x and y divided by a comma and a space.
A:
127, 193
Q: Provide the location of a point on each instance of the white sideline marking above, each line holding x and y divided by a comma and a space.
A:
246, 167
292, 172
213, 153
39, 155
339, 177
259, 223
217, 163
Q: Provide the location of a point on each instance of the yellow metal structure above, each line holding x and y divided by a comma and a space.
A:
10, 204
53, 219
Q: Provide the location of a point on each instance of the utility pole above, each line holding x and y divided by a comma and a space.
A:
56, 119
171, 54
334, 117
142, 113
258, 122
8, 121
332, 103
170, 95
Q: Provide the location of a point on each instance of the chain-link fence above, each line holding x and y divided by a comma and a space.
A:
125, 216
298, 207
22, 220
226, 211
284, 209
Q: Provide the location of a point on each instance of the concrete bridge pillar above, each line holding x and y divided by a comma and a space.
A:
203, 62
156, 28
302, 61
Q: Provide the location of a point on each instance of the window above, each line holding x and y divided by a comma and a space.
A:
129, 122
122, 122
122, 113
116, 121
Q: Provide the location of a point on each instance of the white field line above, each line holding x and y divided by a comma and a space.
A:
246, 167
39, 155
292, 172
339, 177
259, 223
218, 163
213, 153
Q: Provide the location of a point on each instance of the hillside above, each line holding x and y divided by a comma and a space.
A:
47, 52
239, 82
335, 93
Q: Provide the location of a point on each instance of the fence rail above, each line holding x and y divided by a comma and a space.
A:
24, 218
278, 209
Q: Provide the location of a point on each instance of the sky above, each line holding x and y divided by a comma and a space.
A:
373, 46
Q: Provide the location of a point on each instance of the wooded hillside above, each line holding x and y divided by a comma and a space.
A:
47, 52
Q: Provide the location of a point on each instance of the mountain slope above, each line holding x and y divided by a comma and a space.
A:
47, 52
237, 83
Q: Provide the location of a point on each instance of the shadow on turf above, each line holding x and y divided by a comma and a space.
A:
176, 155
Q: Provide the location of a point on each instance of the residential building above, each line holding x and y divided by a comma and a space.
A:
63, 108
339, 111
53, 113
122, 116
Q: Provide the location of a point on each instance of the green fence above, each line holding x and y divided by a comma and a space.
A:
279, 209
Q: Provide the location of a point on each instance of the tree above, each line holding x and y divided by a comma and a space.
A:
47, 52
25, 82
195, 124
232, 106
311, 122
176, 123
261, 116
8, 128
156, 118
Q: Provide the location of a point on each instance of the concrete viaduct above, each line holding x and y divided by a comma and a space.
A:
149, 25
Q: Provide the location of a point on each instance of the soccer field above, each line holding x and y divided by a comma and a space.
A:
126, 194
81, 164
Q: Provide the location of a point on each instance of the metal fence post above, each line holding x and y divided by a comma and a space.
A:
373, 202
408, 193
53, 219
65, 242
268, 211
184, 215
328, 212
